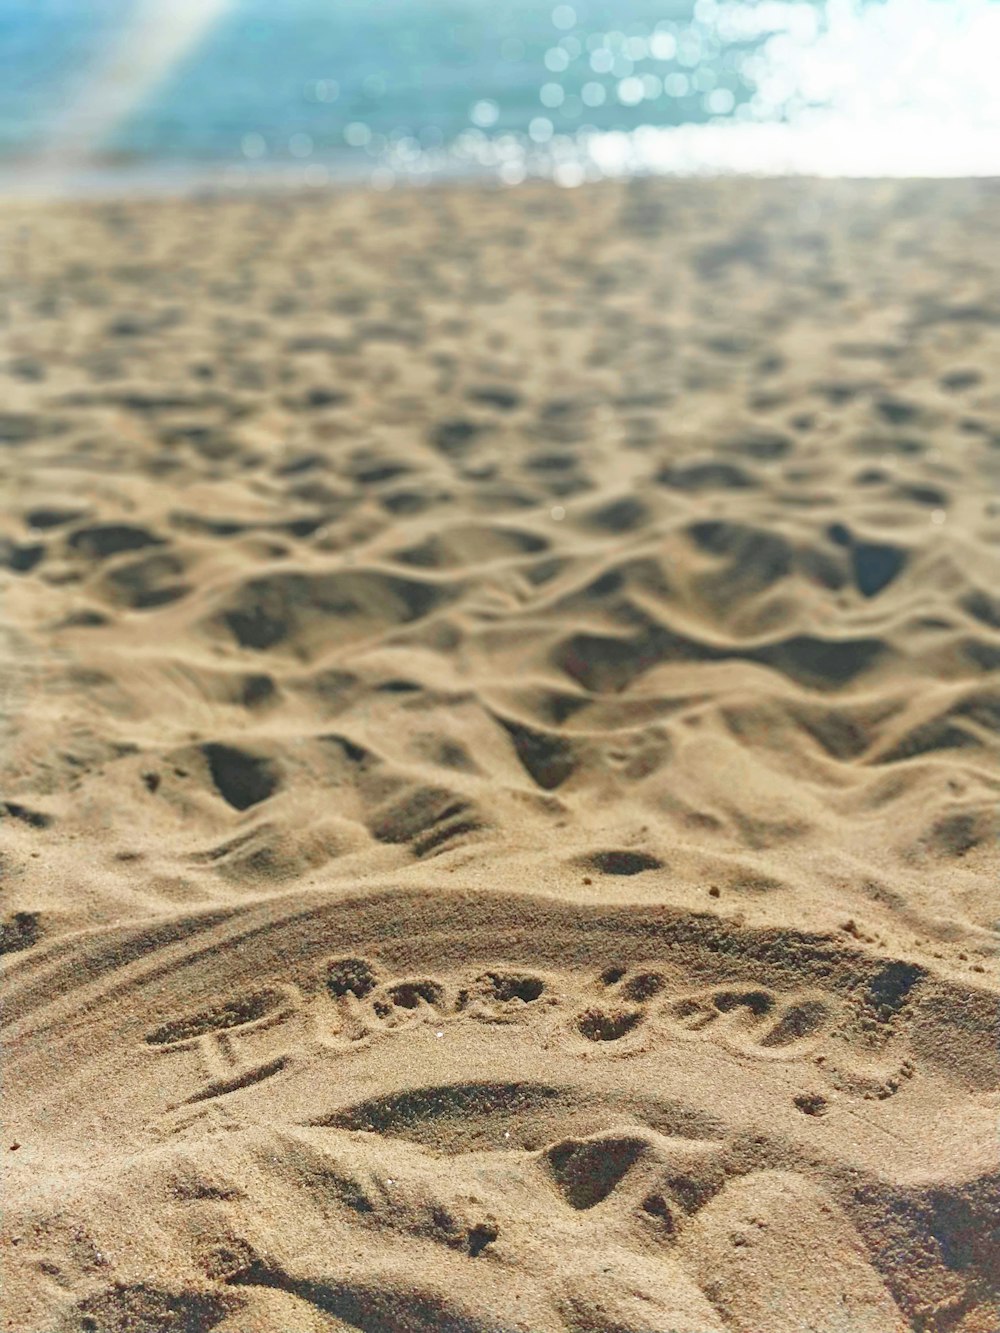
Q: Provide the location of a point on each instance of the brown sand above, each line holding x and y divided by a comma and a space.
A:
501, 786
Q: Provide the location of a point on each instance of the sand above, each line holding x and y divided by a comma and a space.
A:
500, 784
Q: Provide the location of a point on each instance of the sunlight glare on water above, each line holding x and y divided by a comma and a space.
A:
410, 90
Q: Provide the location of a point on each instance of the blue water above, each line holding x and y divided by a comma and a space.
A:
410, 88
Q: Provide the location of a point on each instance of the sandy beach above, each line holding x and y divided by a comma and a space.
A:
500, 775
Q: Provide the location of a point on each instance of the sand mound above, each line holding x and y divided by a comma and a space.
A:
500, 786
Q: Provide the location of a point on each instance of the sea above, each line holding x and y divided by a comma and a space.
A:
228, 92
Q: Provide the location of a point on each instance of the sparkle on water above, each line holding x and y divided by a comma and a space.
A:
573, 92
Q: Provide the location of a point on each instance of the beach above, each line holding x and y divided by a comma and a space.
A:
500, 776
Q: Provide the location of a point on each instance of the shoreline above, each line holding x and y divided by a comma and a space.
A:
823, 150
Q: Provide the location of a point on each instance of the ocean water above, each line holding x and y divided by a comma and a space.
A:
393, 90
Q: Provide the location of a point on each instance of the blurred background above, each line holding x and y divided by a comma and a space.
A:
224, 92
